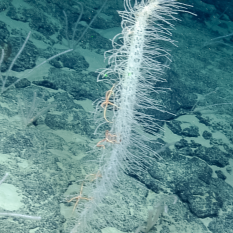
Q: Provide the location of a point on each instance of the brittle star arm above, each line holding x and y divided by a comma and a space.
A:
106, 102
98, 144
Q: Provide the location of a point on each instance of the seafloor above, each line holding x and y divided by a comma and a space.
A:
48, 158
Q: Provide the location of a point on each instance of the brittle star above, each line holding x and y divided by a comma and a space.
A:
79, 197
92, 177
106, 102
108, 138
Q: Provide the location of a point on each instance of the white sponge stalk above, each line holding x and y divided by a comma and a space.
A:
134, 69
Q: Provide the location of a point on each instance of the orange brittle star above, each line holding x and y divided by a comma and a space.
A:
92, 177
107, 102
108, 138
79, 197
